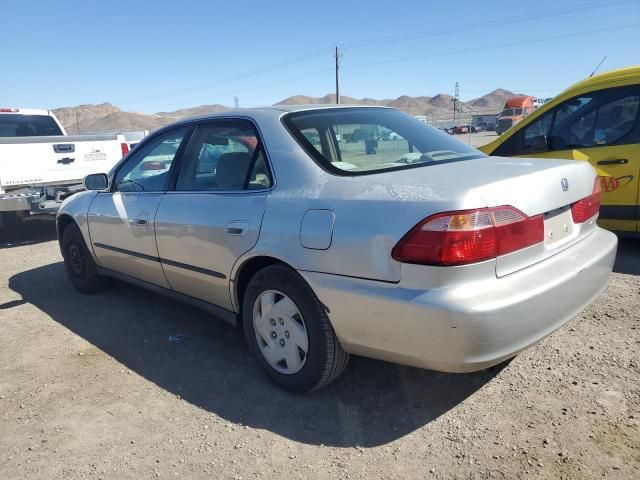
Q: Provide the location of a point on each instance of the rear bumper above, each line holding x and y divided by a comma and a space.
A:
18, 202
469, 326
37, 200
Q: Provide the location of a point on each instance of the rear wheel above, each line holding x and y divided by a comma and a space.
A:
81, 269
288, 331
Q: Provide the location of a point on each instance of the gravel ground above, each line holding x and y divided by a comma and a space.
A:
91, 387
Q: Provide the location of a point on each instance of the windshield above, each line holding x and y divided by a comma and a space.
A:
367, 140
511, 112
13, 125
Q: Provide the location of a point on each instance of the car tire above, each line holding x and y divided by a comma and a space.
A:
324, 359
81, 269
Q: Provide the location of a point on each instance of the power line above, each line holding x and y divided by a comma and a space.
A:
397, 38
492, 47
570, 9
258, 87
235, 78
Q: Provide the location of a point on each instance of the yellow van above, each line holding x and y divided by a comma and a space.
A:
597, 120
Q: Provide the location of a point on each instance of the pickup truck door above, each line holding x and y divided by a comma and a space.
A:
214, 213
122, 221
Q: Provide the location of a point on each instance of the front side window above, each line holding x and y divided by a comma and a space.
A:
222, 157
148, 169
352, 141
601, 118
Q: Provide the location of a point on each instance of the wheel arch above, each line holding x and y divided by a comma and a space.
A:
62, 222
246, 270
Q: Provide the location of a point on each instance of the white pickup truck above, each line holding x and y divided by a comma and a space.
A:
40, 165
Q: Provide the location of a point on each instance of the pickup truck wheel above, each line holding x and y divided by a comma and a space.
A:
13, 219
288, 331
81, 269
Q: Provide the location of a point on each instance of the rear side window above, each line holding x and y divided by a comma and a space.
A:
596, 119
15, 125
224, 156
356, 141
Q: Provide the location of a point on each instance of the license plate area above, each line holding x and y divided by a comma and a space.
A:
558, 225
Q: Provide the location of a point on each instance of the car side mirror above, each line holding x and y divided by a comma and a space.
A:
538, 144
96, 181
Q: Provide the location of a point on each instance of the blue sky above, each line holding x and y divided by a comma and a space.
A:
151, 56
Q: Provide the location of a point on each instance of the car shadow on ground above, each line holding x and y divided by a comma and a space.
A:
628, 256
206, 362
36, 230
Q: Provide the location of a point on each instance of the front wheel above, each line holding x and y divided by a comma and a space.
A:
288, 330
81, 269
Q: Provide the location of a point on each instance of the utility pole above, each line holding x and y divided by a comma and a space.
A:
77, 123
456, 99
337, 55
235, 100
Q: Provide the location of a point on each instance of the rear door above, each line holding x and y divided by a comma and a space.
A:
121, 222
214, 213
603, 128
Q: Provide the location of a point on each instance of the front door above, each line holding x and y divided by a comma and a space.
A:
214, 213
121, 222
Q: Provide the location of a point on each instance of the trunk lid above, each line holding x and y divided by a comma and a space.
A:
533, 186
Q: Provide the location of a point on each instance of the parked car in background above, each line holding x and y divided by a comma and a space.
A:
477, 257
40, 164
515, 109
597, 120
463, 128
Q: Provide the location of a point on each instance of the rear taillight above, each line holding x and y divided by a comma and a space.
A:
9, 110
125, 149
469, 236
588, 207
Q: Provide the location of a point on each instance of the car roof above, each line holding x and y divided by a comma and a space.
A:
276, 110
606, 77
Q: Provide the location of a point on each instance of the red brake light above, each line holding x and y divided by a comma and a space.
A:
9, 110
588, 207
125, 149
469, 236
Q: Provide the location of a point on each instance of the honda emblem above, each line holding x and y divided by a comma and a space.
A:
565, 184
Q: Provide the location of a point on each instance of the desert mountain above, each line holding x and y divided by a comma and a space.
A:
106, 117
438, 105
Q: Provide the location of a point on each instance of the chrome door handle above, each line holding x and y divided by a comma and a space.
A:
614, 161
142, 219
237, 227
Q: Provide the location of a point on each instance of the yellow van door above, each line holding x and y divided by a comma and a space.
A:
619, 169
601, 127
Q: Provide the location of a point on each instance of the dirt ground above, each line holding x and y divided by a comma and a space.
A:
94, 387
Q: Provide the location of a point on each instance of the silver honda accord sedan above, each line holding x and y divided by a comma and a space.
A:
329, 231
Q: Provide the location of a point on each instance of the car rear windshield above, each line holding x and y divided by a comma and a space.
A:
15, 125
353, 141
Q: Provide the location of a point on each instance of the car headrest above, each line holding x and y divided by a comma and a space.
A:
232, 170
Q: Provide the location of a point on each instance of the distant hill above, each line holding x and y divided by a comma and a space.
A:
492, 101
190, 112
440, 104
106, 117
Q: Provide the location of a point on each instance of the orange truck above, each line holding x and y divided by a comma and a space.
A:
515, 109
